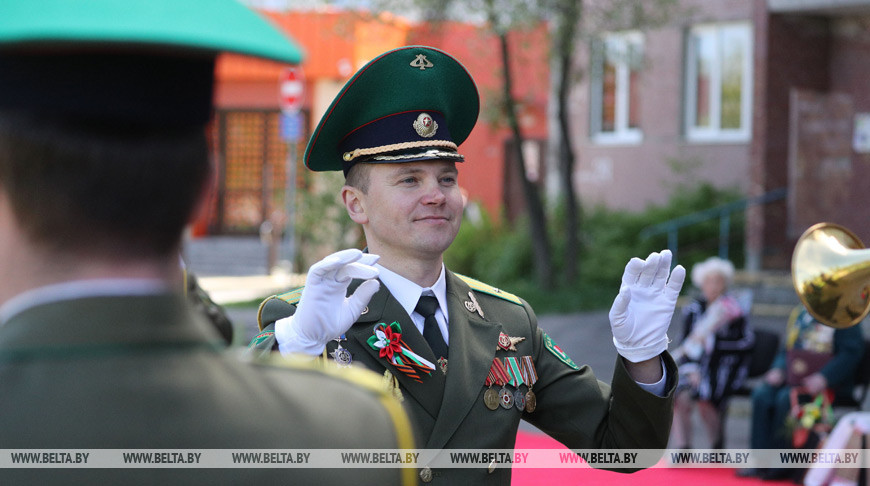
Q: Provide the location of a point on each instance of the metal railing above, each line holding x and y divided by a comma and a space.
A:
723, 212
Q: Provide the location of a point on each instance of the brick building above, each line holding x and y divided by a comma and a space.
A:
755, 94
761, 95
812, 128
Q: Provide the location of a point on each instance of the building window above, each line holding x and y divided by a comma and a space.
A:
615, 107
719, 82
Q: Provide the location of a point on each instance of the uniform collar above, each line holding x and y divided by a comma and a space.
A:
77, 289
408, 292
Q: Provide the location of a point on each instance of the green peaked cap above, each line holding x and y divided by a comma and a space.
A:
209, 26
144, 62
379, 110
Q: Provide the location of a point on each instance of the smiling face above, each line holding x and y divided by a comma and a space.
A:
409, 210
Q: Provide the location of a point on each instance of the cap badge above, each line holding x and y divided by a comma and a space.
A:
425, 125
421, 62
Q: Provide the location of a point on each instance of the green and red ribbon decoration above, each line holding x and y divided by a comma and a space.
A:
387, 340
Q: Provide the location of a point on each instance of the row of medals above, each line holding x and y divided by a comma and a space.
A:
493, 399
504, 397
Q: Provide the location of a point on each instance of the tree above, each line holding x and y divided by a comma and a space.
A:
567, 15
500, 21
573, 23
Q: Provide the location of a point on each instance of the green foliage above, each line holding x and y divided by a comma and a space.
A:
472, 252
321, 220
495, 253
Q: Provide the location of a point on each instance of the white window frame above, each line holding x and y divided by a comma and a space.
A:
714, 133
622, 133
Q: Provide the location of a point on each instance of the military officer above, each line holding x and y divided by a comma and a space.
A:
103, 159
468, 360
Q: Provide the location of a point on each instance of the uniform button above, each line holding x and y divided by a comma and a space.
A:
426, 475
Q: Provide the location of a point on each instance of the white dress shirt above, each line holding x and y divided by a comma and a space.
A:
408, 293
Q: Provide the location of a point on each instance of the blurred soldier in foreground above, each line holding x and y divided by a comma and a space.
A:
103, 158
202, 302
469, 360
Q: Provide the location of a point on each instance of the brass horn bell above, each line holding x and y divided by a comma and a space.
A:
830, 270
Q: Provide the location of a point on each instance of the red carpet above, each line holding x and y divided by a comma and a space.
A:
659, 476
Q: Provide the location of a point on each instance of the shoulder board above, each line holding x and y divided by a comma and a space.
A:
479, 286
290, 297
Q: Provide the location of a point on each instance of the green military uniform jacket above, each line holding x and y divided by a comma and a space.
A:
147, 373
448, 411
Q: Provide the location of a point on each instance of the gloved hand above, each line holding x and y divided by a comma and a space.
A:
642, 311
324, 312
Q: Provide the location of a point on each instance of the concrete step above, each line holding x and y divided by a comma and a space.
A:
226, 256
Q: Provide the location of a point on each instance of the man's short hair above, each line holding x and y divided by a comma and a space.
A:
359, 176
101, 187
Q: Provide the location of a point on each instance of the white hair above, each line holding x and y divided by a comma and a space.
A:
713, 265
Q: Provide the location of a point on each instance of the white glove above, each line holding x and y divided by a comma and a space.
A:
642, 311
324, 312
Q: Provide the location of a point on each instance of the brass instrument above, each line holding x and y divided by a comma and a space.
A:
831, 274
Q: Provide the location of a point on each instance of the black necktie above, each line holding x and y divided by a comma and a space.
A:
426, 307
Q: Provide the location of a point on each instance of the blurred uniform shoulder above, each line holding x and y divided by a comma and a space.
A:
363, 388
328, 401
349, 376
203, 303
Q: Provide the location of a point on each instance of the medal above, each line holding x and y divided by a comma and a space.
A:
490, 399
520, 400
531, 401
530, 375
499, 375
515, 374
342, 356
506, 398
490, 396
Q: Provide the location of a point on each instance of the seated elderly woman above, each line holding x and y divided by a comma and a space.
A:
714, 354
